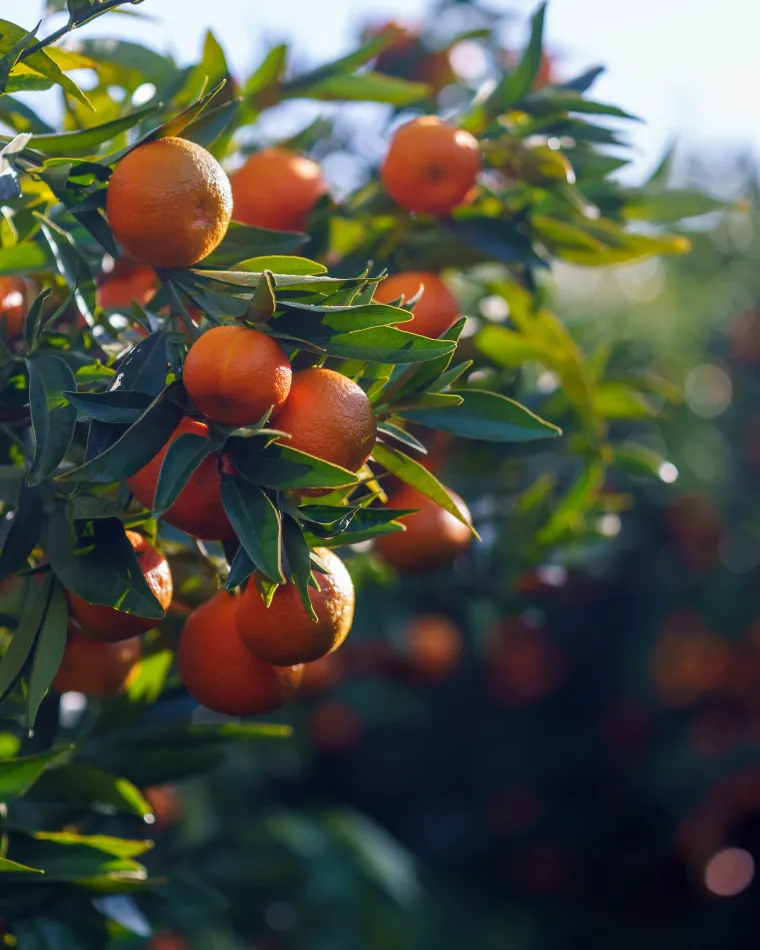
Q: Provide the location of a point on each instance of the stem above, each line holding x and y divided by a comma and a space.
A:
67, 28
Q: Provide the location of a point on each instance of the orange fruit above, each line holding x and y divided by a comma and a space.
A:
433, 536
322, 674
328, 415
198, 511
96, 668
276, 189
16, 296
219, 671
169, 203
110, 624
234, 375
284, 633
434, 645
127, 281
166, 803
435, 310
409, 58
430, 165
334, 726
167, 940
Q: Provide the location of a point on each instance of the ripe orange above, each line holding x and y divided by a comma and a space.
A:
167, 940
430, 165
127, 281
198, 511
166, 803
433, 536
233, 375
436, 309
95, 667
334, 726
408, 58
328, 415
15, 299
434, 645
169, 203
284, 633
110, 624
276, 189
220, 673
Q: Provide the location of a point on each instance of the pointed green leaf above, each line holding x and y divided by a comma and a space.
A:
280, 467
299, 561
48, 652
121, 406
24, 638
257, 524
24, 533
183, 457
414, 474
18, 775
98, 563
86, 141
487, 416
82, 785
53, 417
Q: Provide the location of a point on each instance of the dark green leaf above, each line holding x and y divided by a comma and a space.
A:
518, 81
502, 240
144, 368
299, 561
32, 319
424, 376
53, 417
24, 638
241, 242
183, 457
123, 406
240, 570
487, 416
134, 448
81, 785
179, 122
18, 775
13, 867
24, 532
400, 435
257, 524
99, 565
214, 124
280, 467
73, 266
379, 345
48, 652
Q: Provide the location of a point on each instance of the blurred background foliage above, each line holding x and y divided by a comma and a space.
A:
555, 743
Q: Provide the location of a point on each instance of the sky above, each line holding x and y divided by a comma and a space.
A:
689, 68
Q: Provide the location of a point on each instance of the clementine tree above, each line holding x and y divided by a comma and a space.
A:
206, 387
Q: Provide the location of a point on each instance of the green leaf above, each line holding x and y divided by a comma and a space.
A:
148, 680
487, 416
362, 87
26, 258
299, 561
18, 116
32, 319
242, 242
94, 860
414, 474
183, 457
501, 239
615, 400
214, 126
24, 638
179, 122
98, 563
80, 786
18, 775
72, 265
282, 264
240, 570
144, 368
518, 81
257, 524
48, 652
14, 867
40, 61
53, 417
135, 448
269, 73
280, 467
639, 459
427, 374
262, 304
322, 320
400, 434
86, 141
666, 207
379, 345
550, 101
123, 406
24, 532
568, 513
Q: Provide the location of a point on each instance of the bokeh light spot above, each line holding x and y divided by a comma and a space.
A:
729, 872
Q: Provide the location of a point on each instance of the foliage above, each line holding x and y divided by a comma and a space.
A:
89, 395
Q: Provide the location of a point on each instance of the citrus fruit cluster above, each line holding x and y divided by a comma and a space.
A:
169, 204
